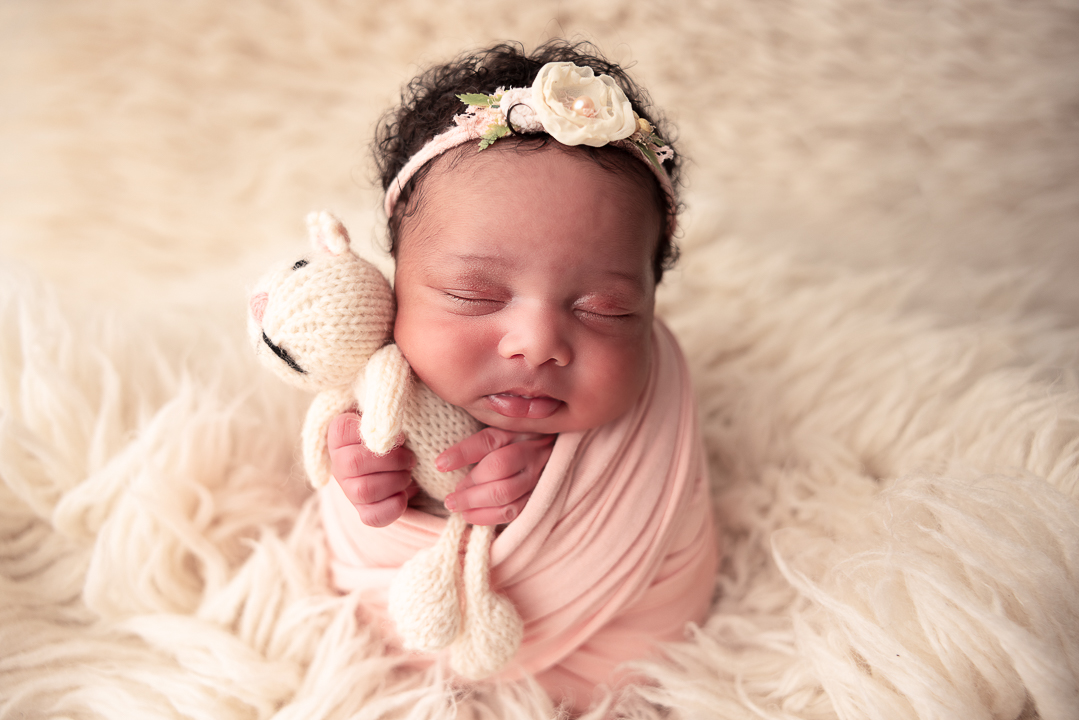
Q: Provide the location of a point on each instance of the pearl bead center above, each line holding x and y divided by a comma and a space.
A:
584, 105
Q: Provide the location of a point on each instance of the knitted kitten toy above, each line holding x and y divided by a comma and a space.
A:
325, 323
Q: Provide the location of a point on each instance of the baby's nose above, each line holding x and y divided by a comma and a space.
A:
537, 337
258, 305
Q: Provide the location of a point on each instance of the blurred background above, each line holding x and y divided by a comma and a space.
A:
157, 151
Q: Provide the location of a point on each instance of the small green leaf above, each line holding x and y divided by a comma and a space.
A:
477, 99
649, 153
493, 133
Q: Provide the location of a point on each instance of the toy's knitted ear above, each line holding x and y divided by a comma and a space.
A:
327, 233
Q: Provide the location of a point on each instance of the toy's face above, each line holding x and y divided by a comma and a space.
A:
525, 289
316, 322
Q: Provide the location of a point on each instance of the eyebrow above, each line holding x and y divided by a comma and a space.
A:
477, 266
477, 259
475, 263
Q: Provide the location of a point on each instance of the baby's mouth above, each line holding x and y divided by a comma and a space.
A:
523, 406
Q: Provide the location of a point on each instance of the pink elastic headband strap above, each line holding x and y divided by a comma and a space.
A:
456, 135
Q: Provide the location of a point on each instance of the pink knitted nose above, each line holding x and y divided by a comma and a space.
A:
258, 305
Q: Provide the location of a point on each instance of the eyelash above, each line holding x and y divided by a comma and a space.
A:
471, 302
477, 303
603, 317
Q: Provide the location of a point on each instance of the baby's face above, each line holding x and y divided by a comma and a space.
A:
525, 290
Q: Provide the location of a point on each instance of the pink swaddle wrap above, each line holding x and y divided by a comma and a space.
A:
614, 551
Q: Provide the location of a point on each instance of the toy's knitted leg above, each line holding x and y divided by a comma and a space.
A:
493, 629
423, 599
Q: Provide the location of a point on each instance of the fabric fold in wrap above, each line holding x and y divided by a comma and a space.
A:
614, 551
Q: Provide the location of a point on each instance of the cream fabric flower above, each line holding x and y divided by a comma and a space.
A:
578, 107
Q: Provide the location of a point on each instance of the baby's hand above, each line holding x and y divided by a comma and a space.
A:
378, 486
507, 471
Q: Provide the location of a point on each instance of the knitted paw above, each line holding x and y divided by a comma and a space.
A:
387, 384
423, 599
493, 630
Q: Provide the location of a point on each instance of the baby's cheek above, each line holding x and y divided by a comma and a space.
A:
408, 332
615, 382
438, 351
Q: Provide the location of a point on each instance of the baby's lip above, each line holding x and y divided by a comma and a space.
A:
523, 405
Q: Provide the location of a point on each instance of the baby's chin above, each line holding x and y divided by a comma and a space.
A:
559, 422
547, 426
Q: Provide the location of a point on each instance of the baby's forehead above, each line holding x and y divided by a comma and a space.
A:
529, 176
609, 166
532, 214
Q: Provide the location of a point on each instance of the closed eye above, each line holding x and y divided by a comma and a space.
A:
473, 305
283, 354
299, 264
604, 311
607, 316
608, 319
610, 305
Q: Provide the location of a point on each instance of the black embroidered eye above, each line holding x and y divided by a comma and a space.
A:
283, 354
299, 264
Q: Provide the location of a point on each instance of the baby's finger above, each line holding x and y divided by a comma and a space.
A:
472, 449
527, 456
384, 512
375, 487
477, 446
355, 460
344, 430
497, 515
493, 494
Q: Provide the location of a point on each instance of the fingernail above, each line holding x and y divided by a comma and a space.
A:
451, 503
440, 464
511, 513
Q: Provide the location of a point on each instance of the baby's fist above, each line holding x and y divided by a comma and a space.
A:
378, 486
508, 468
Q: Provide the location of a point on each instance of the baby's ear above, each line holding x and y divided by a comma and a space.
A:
328, 236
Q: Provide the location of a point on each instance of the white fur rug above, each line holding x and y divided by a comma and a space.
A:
877, 296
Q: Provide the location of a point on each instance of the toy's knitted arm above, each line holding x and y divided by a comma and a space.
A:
327, 405
387, 384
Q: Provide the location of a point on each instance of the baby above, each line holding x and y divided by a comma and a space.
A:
531, 206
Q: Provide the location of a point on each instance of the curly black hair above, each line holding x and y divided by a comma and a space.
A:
429, 103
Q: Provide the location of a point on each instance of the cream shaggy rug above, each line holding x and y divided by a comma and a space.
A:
877, 296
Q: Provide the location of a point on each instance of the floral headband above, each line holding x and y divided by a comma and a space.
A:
570, 103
